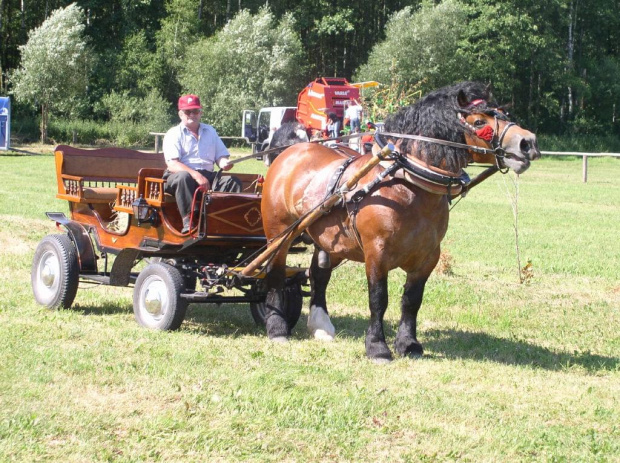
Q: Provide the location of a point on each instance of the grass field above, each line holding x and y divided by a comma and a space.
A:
512, 372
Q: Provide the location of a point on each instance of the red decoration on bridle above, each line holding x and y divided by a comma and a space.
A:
486, 133
476, 103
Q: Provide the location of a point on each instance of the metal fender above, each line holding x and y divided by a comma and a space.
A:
78, 234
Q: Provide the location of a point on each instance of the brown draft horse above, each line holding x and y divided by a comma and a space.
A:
399, 223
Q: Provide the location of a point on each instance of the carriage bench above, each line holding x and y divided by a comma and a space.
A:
102, 175
115, 176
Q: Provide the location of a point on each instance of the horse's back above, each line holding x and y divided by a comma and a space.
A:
300, 169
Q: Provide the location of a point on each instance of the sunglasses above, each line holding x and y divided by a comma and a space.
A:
189, 112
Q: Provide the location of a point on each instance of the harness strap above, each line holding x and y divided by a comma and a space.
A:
362, 192
335, 180
432, 176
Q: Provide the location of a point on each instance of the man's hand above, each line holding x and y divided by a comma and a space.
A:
224, 164
201, 180
174, 165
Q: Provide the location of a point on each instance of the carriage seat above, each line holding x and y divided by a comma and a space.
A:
107, 175
116, 176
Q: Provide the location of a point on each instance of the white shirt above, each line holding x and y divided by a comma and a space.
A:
180, 144
354, 112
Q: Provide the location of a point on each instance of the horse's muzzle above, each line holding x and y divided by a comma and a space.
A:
529, 148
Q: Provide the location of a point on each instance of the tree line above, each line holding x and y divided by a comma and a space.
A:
556, 63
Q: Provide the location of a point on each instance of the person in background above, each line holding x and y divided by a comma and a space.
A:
354, 113
191, 149
369, 138
333, 126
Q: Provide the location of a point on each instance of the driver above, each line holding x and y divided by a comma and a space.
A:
191, 149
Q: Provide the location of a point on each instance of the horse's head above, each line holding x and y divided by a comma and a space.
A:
487, 126
460, 114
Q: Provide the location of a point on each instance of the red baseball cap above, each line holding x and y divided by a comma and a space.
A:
189, 102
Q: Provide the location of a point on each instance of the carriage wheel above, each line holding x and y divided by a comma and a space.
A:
157, 301
55, 272
189, 278
293, 302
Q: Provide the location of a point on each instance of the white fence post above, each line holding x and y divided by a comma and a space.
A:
584, 157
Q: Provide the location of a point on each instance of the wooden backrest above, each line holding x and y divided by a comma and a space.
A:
106, 164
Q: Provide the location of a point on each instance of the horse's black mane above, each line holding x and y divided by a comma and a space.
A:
436, 116
286, 135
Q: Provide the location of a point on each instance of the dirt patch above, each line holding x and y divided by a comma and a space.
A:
19, 236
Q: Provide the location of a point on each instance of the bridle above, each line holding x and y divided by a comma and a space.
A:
496, 141
432, 178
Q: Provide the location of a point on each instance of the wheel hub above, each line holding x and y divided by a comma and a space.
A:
155, 297
48, 275
49, 270
152, 302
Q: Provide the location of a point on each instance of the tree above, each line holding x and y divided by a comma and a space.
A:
420, 48
54, 66
140, 68
253, 62
179, 28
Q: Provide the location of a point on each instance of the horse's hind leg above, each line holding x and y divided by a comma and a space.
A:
275, 318
406, 343
319, 324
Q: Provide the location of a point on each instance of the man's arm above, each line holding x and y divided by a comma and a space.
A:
224, 163
221, 152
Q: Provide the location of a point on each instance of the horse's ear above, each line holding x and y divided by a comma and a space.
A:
461, 99
488, 91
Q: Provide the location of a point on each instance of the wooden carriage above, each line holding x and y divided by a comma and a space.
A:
120, 215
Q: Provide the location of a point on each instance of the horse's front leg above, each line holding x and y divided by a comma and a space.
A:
275, 318
406, 343
376, 347
319, 324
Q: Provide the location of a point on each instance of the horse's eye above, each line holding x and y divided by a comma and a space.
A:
480, 123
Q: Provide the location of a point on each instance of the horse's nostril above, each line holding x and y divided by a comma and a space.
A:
525, 146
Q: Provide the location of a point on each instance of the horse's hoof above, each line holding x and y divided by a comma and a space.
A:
280, 340
323, 335
319, 324
409, 348
378, 351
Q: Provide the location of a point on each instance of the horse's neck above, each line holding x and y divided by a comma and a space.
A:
422, 153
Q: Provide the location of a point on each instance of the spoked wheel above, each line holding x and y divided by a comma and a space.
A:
157, 299
55, 272
293, 302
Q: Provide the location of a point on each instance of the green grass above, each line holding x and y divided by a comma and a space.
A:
512, 372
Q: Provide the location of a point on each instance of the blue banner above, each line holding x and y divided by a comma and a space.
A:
5, 123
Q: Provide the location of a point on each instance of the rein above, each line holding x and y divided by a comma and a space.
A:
438, 141
429, 177
282, 148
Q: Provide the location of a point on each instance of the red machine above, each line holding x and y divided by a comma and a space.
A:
322, 96
319, 98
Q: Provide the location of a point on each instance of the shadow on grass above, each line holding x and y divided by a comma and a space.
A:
222, 320
457, 344
108, 308
210, 319
234, 320
486, 347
